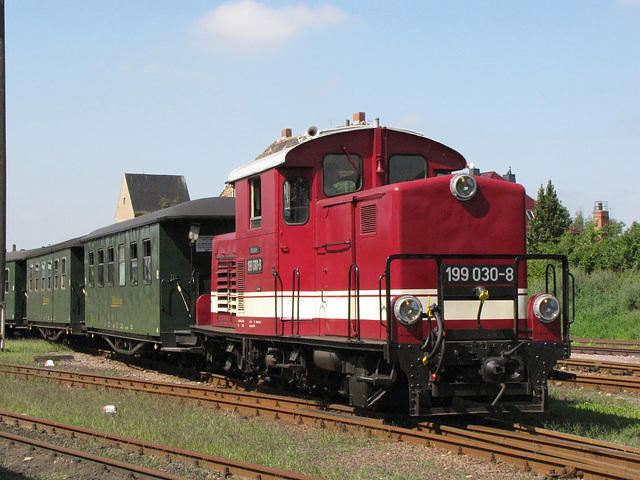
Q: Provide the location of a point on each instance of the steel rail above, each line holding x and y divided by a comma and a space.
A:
620, 384
107, 462
601, 366
227, 466
202, 394
595, 346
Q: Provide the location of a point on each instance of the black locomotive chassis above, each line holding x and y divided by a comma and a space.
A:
363, 366
526, 392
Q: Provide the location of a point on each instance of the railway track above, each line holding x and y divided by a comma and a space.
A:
596, 346
227, 467
106, 464
549, 453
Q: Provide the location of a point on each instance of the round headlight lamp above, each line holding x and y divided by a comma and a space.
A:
463, 187
546, 308
407, 309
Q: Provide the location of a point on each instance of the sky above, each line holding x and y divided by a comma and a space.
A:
99, 88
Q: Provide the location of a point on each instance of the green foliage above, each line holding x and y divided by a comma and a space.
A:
551, 220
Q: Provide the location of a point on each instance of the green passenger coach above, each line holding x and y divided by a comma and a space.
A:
15, 289
144, 275
54, 286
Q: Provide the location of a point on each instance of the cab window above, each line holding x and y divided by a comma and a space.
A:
404, 168
256, 203
341, 173
295, 201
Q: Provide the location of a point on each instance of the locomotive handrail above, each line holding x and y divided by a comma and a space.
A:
517, 259
553, 276
325, 245
387, 275
573, 298
382, 323
294, 292
353, 268
565, 287
276, 278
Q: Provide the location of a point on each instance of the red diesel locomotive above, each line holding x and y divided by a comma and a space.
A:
366, 265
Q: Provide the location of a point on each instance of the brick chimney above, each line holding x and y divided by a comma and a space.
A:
358, 118
600, 215
286, 133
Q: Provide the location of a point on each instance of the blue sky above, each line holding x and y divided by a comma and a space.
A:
96, 89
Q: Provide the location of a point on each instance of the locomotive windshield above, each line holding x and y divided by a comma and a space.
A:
341, 174
404, 168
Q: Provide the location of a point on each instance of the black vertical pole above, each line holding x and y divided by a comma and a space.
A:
3, 177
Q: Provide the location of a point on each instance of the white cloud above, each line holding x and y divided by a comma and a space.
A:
250, 25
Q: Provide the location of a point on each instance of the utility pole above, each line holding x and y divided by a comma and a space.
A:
3, 177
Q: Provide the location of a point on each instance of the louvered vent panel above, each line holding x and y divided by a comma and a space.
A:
226, 286
368, 219
240, 284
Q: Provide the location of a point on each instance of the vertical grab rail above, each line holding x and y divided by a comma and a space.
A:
295, 292
353, 269
276, 279
382, 277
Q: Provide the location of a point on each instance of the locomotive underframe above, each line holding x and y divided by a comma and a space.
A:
359, 371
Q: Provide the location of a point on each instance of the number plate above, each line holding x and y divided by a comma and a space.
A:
478, 274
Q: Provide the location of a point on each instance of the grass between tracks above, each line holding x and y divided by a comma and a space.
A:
323, 453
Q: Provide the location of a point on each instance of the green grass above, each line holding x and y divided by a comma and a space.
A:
22, 351
608, 417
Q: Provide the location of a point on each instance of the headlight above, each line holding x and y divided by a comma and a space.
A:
546, 308
463, 187
407, 309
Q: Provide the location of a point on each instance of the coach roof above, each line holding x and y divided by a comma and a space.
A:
213, 207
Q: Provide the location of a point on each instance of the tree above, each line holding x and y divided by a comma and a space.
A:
551, 221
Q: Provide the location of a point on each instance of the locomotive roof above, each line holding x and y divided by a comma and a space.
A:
212, 207
282, 147
37, 252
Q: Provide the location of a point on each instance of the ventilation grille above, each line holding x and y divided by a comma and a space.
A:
240, 290
226, 286
368, 219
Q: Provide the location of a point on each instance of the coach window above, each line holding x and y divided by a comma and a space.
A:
31, 277
91, 276
133, 263
56, 274
43, 276
6, 280
295, 201
146, 262
111, 266
63, 273
256, 203
101, 267
122, 279
404, 168
49, 274
341, 173
37, 275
